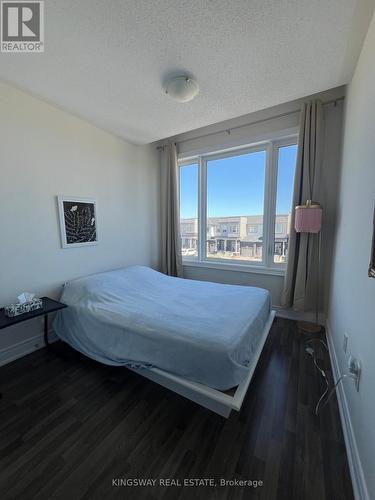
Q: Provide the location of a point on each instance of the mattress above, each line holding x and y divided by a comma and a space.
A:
137, 317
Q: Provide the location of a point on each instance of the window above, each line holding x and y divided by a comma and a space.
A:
242, 212
286, 165
279, 227
189, 210
252, 229
235, 196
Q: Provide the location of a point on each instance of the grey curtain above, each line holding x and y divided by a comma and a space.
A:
171, 261
301, 275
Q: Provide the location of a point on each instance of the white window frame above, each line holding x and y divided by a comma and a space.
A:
267, 265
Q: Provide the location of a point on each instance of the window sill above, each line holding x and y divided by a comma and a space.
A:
244, 268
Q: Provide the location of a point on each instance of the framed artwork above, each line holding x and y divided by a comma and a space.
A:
371, 269
78, 221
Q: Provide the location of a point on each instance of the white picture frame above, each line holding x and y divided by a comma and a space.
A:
78, 221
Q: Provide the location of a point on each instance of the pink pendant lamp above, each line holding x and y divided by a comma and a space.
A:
308, 219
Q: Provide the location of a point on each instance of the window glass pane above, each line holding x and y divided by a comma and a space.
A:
189, 210
285, 179
235, 201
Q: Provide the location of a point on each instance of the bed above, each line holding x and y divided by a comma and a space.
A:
200, 339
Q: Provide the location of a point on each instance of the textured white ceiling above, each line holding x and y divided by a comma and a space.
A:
105, 61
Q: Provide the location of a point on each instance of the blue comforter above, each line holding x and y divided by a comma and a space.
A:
206, 332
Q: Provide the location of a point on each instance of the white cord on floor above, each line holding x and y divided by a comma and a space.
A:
311, 352
318, 340
332, 391
326, 389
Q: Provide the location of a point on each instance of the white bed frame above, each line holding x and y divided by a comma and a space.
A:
216, 401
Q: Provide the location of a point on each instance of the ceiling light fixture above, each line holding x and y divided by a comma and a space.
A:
182, 88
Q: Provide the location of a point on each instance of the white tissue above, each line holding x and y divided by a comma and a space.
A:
25, 297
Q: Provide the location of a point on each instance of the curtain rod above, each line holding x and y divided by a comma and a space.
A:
229, 130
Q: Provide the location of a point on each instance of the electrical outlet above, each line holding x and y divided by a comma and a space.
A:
345, 342
354, 367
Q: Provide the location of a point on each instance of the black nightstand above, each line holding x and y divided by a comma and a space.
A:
49, 306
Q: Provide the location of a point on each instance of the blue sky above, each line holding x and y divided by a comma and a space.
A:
235, 186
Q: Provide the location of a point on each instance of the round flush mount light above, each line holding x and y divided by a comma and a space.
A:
182, 88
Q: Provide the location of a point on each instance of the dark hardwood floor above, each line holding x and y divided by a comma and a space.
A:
70, 426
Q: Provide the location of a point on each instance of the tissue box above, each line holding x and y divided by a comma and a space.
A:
17, 309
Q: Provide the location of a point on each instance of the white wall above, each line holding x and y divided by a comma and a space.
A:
45, 152
195, 142
352, 300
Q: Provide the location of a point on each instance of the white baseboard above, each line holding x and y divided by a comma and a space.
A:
355, 465
299, 315
24, 347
